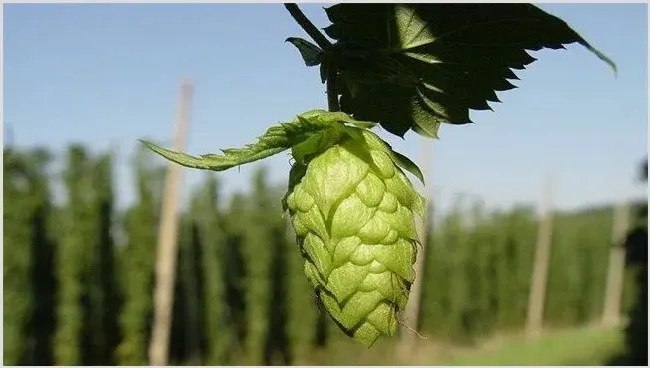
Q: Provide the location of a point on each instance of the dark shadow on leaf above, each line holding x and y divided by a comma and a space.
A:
415, 66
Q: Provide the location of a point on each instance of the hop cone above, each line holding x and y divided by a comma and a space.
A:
353, 212
352, 208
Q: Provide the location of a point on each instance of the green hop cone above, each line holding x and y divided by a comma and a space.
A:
353, 210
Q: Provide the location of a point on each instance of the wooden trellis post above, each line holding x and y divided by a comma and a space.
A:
616, 267
167, 252
537, 296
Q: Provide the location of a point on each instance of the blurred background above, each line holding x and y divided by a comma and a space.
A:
536, 250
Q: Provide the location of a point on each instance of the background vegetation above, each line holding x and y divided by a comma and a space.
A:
78, 277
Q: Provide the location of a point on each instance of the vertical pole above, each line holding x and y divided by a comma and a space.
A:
167, 241
535, 317
616, 268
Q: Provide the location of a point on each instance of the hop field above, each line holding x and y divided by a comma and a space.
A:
241, 294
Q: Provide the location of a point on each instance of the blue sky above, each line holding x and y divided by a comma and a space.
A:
106, 75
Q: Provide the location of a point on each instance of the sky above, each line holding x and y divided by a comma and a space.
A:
107, 74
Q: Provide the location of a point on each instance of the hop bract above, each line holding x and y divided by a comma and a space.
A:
353, 211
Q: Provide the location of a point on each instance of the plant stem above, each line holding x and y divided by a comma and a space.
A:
308, 26
332, 90
323, 43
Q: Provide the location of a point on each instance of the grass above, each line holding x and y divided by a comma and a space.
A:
583, 346
588, 346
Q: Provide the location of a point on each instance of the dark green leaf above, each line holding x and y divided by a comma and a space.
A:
311, 54
415, 66
324, 70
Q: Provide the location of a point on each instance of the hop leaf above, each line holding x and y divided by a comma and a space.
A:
353, 211
311, 54
415, 66
275, 140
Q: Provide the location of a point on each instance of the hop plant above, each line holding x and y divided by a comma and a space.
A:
353, 210
351, 205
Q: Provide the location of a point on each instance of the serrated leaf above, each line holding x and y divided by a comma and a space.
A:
311, 54
275, 140
322, 127
415, 66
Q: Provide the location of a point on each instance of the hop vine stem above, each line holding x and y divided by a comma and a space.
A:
323, 43
308, 26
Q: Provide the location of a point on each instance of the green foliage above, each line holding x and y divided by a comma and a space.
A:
263, 217
234, 273
208, 231
77, 229
278, 349
333, 153
102, 298
137, 262
241, 262
577, 274
28, 246
405, 67
415, 66
239, 297
311, 53
454, 237
275, 140
301, 320
87, 300
636, 245
580, 347
512, 263
187, 333
482, 263
17, 260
